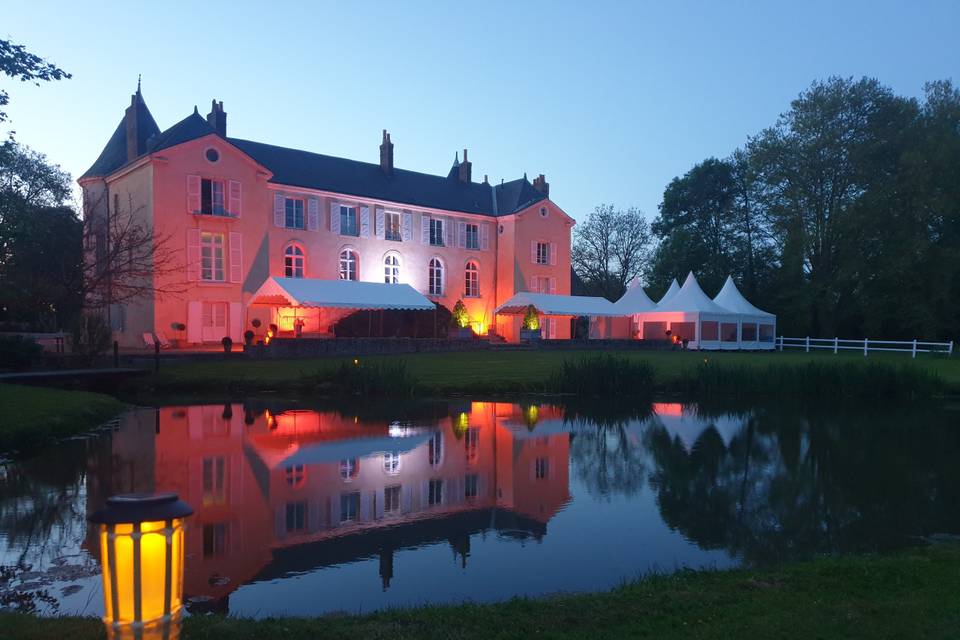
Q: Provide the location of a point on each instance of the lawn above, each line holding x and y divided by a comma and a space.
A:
34, 415
506, 370
912, 594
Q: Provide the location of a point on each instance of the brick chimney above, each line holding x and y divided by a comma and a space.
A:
386, 154
465, 168
131, 123
217, 118
540, 184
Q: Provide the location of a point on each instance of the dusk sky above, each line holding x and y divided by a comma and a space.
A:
609, 100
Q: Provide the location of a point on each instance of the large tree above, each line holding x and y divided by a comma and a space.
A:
18, 63
610, 249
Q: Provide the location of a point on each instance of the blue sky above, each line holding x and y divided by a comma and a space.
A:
609, 100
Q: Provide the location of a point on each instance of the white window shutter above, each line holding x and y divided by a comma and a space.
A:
364, 222
193, 254
484, 237
424, 229
313, 214
193, 194
532, 284
553, 285
235, 204
451, 240
194, 321
553, 254
553, 328
335, 218
236, 322
407, 226
533, 251
279, 202
462, 235
380, 230
236, 257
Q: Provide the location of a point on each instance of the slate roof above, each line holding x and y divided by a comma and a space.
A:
114, 154
297, 168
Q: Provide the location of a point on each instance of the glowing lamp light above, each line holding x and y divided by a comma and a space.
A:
141, 552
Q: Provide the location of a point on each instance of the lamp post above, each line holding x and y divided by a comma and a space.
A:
141, 552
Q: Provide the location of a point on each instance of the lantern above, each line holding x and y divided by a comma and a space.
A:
141, 552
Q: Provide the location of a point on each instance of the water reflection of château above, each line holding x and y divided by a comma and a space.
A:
285, 491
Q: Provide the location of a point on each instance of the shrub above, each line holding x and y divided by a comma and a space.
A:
459, 317
531, 320
18, 352
369, 379
607, 376
248, 336
227, 343
256, 323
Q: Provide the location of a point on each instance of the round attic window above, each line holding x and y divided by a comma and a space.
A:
501, 228
543, 212
212, 155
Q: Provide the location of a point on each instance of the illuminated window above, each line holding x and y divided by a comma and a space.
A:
349, 506
471, 282
435, 277
211, 257
296, 474
470, 486
293, 213
391, 462
349, 264
392, 222
436, 232
293, 262
391, 499
348, 221
541, 468
435, 492
543, 253
296, 516
391, 269
349, 468
435, 449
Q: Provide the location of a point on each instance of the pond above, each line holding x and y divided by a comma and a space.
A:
308, 508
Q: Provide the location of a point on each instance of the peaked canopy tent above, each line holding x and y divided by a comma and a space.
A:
634, 302
332, 299
757, 327
552, 306
690, 315
672, 290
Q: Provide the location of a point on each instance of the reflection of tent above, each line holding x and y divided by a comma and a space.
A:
306, 452
688, 426
690, 315
757, 326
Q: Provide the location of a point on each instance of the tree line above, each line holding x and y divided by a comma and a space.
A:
843, 217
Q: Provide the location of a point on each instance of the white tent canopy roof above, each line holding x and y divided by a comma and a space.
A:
690, 299
556, 305
672, 291
731, 299
635, 300
339, 294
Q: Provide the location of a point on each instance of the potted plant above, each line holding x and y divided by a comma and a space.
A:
460, 322
530, 330
180, 341
227, 343
248, 337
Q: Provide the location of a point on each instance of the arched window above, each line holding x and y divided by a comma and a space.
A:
391, 269
293, 262
435, 277
471, 282
349, 264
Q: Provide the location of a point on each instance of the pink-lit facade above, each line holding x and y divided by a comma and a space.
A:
238, 212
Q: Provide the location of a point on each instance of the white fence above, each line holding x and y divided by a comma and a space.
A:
865, 346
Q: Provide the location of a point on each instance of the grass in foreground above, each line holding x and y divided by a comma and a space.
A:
32, 416
912, 594
505, 371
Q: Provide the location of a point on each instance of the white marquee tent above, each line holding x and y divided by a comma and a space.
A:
757, 327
